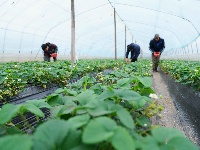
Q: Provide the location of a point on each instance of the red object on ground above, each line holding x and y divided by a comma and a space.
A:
54, 55
156, 54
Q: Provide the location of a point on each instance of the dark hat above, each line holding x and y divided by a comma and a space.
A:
48, 44
43, 46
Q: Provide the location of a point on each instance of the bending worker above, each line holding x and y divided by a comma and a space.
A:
135, 52
50, 50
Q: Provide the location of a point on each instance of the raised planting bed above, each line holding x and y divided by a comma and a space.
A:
187, 101
184, 72
18, 79
111, 112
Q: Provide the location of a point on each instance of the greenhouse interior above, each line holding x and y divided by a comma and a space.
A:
99, 75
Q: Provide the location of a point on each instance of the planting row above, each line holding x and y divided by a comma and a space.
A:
110, 111
185, 72
15, 76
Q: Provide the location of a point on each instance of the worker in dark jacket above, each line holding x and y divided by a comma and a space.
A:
50, 50
135, 52
156, 46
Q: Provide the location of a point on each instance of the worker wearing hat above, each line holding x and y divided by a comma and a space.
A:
50, 50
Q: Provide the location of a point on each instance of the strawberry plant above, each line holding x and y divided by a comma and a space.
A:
109, 112
185, 72
15, 76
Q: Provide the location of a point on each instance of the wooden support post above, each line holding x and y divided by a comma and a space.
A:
125, 44
72, 32
191, 47
196, 46
115, 28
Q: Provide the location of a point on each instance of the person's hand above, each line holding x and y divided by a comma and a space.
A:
128, 60
53, 55
156, 54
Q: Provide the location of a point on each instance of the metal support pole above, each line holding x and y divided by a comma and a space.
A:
115, 30
72, 32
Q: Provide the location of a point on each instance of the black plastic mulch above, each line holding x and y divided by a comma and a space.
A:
187, 102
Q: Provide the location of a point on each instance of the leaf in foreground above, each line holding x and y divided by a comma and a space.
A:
50, 135
7, 112
15, 142
98, 130
122, 140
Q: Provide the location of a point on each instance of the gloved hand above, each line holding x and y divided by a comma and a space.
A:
156, 54
54, 55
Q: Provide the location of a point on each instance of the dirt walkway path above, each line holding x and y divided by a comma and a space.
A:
171, 117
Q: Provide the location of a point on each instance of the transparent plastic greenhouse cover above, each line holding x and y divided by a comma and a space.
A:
26, 24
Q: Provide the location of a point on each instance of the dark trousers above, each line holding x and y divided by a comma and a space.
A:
134, 58
155, 61
47, 58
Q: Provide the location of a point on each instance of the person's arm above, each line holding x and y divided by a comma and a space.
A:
128, 50
163, 46
54, 48
127, 53
151, 46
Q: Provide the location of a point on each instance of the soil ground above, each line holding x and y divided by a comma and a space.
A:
171, 116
